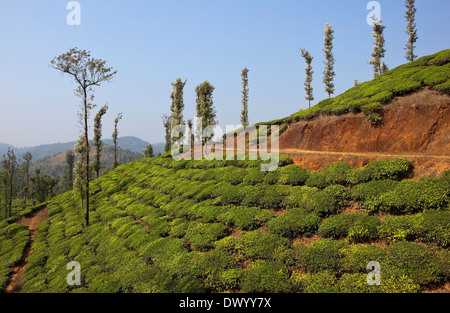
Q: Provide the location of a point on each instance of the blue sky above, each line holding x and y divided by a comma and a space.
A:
151, 43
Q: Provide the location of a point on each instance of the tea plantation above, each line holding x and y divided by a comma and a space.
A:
160, 225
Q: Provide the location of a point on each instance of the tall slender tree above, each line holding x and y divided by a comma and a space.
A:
167, 123
68, 173
244, 110
88, 73
411, 30
384, 68
97, 141
10, 167
148, 151
309, 75
205, 109
27, 157
378, 48
81, 170
115, 136
190, 125
328, 73
177, 105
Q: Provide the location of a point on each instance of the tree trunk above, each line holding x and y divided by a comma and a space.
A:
87, 155
10, 194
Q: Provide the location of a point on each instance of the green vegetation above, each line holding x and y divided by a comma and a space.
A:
13, 239
159, 225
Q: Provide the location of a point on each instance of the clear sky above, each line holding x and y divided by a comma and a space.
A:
151, 43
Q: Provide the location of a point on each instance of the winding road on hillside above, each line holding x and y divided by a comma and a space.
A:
366, 154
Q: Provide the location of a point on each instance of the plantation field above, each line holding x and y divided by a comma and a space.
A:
160, 225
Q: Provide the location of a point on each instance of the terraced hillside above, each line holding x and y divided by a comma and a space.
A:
159, 225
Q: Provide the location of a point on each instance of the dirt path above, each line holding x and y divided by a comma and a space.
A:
32, 220
366, 154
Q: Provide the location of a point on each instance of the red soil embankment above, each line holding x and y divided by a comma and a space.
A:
416, 127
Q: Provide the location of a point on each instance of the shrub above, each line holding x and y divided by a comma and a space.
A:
256, 245
430, 226
382, 97
251, 195
317, 180
395, 228
331, 200
359, 227
254, 176
396, 169
202, 235
264, 276
272, 177
322, 282
411, 196
230, 279
178, 227
245, 218
417, 261
396, 281
273, 197
434, 227
356, 283
356, 257
337, 173
321, 255
366, 192
293, 175
303, 197
294, 223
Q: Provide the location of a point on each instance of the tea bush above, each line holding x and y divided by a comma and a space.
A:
266, 276
357, 227
295, 223
321, 255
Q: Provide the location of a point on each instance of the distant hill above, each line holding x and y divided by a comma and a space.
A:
130, 143
56, 164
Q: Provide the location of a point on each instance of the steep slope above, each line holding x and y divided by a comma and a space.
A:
405, 112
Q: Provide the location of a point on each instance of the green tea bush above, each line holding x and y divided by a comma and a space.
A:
273, 197
178, 227
356, 283
395, 228
251, 195
266, 276
247, 218
358, 227
295, 223
396, 169
417, 261
254, 176
431, 226
301, 197
321, 282
202, 235
293, 175
257, 245
354, 258
321, 255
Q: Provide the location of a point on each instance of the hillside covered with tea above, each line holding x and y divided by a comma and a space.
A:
160, 225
